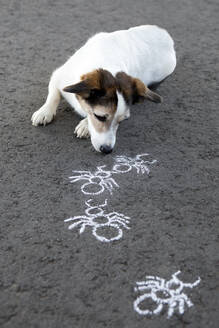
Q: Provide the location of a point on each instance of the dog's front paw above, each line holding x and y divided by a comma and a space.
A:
81, 129
43, 116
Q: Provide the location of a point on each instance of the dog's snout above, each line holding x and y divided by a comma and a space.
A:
106, 149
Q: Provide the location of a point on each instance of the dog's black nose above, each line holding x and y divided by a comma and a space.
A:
105, 149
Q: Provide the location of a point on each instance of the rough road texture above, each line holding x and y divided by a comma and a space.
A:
53, 277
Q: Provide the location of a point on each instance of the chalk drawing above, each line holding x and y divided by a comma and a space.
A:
163, 293
95, 183
99, 220
125, 164
101, 180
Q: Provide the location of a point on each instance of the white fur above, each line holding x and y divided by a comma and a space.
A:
145, 52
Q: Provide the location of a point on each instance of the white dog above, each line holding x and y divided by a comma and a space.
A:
108, 74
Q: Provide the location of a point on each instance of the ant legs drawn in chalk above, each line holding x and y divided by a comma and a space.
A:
95, 183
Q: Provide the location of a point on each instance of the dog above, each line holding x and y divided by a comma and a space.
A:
107, 75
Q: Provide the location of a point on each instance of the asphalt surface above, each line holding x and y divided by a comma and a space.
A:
54, 277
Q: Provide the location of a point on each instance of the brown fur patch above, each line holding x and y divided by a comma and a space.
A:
99, 79
102, 87
96, 88
92, 79
134, 90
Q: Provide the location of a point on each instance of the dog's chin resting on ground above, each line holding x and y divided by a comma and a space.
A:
107, 75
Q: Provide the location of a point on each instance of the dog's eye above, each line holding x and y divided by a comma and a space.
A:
100, 118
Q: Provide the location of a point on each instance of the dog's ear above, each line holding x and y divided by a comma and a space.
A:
142, 92
81, 88
94, 84
134, 90
153, 96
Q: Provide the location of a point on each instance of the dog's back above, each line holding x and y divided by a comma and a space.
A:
146, 52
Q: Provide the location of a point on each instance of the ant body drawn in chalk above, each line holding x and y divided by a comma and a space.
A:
125, 164
95, 183
164, 293
97, 219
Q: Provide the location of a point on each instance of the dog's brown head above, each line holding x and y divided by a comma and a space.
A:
107, 99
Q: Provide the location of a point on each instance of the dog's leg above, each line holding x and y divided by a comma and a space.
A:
46, 113
81, 129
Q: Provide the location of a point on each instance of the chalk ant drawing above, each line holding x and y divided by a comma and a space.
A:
98, 220
95, 183
125, 164
163, 293
101, 180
